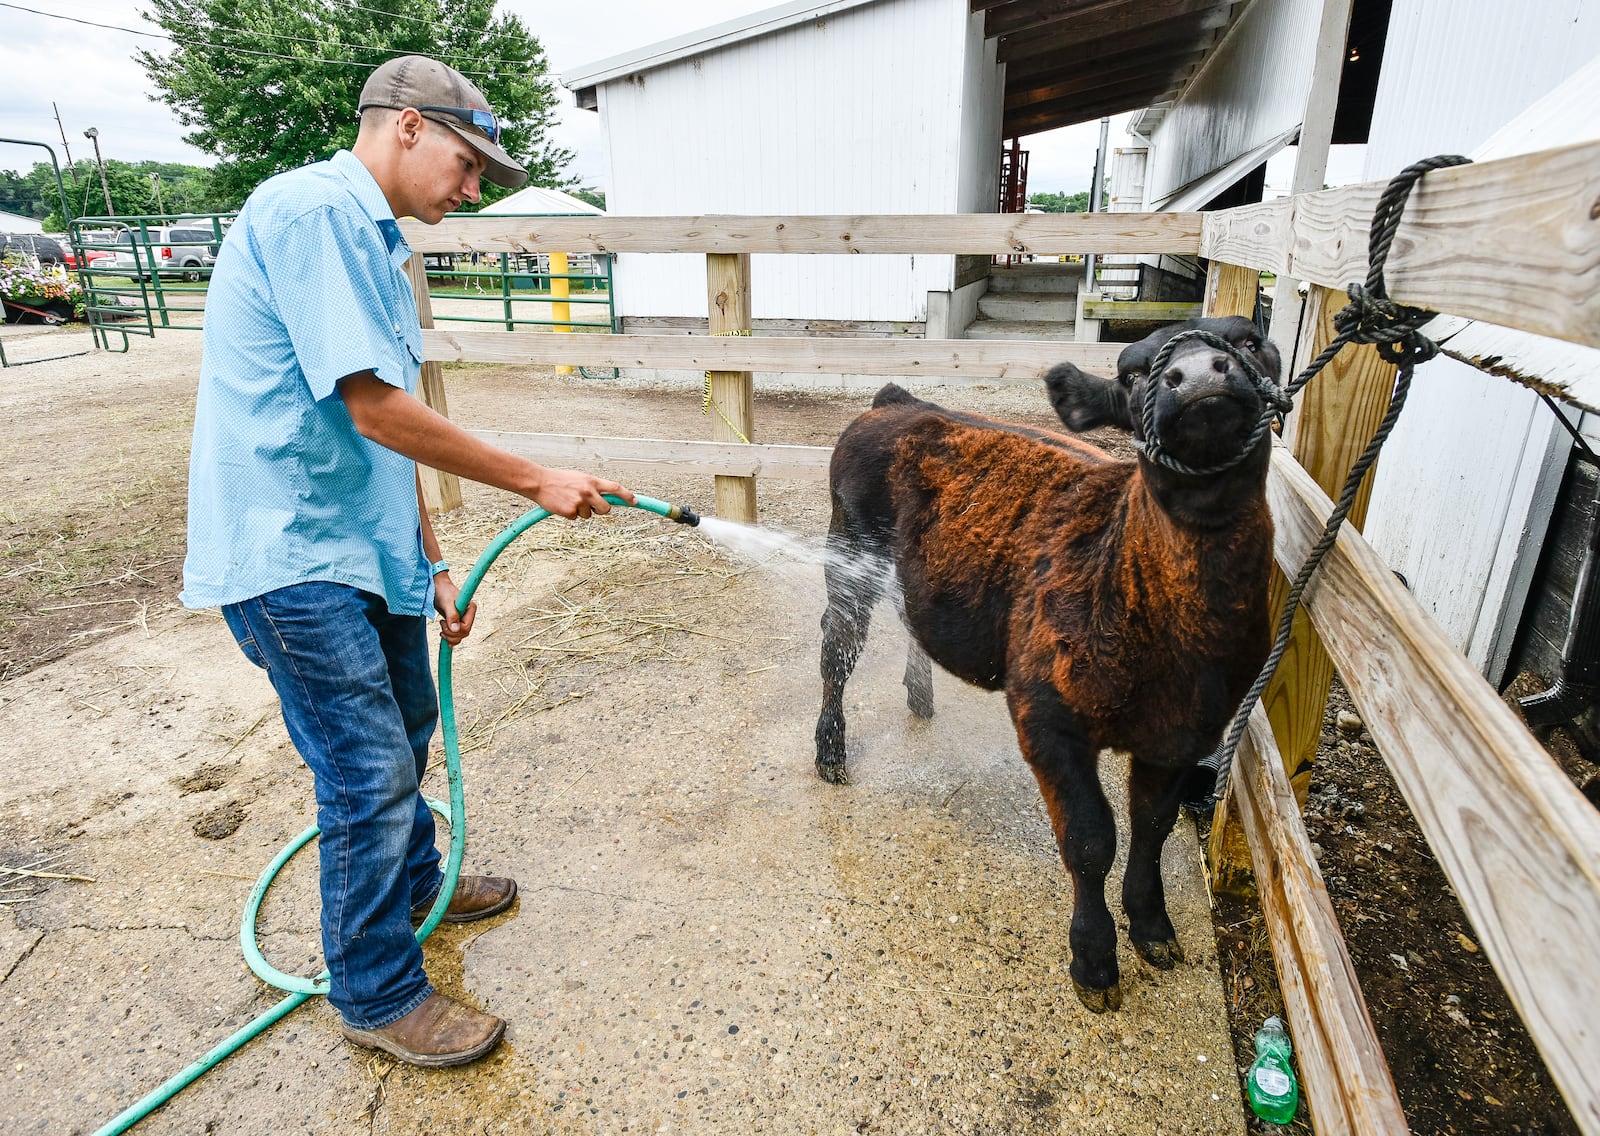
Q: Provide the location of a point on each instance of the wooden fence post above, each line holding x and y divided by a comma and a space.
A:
1332, 422
732, 392
441, 492
1231, 290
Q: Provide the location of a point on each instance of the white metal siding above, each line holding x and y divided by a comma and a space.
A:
1251, 89
982, 119
1455, 71
1465, 486
857, 113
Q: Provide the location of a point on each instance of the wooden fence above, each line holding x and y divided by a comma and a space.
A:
1515, 242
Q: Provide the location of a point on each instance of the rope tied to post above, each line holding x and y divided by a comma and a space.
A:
706, 402
1371, 317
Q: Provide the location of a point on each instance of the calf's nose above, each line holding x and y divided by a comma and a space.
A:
1193, 368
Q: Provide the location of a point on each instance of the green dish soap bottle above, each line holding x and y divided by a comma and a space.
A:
1270, 1084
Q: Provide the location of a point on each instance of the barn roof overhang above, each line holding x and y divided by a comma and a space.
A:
1070, 61
1066, 61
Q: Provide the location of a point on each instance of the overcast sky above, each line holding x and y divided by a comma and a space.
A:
90, 75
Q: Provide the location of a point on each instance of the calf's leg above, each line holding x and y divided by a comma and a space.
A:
919, 680
1066, 768
1153, 793
852, 590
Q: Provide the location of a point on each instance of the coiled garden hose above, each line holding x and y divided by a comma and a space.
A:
301, 989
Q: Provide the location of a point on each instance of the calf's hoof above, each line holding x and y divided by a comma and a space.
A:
1162, 955
833, 772
1099, 1001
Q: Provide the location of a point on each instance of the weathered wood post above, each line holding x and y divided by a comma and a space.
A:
441, 492
732, 392
1331, 424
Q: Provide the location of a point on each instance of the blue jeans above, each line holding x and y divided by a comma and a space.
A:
358, 698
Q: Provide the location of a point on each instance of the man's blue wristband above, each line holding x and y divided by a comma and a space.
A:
438, 566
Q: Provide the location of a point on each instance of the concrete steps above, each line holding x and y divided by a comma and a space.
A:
1029, 301
1036, 277
1025, 306
1020, 329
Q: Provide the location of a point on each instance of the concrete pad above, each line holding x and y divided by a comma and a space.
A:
709, 939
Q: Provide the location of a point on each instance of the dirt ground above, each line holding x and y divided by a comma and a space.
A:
708, 939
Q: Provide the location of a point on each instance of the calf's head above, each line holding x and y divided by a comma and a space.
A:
1205, 405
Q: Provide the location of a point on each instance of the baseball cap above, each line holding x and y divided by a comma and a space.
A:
446, 96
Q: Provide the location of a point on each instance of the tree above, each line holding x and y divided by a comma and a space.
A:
269, 85
1061, 202
594, 197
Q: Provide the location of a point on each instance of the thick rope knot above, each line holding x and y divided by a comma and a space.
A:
1275, 401
1393, 330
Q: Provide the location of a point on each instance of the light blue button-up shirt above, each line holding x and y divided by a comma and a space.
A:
309, 286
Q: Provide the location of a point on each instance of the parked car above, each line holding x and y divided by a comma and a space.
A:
33, 246
92, 258
185, 251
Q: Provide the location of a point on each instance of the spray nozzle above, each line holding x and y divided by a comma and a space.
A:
683, 515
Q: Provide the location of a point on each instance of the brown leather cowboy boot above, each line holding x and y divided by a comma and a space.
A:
475, 897
440, 1032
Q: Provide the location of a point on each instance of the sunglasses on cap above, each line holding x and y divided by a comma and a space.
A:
484, 120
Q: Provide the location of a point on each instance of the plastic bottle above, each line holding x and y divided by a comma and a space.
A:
1270, 1084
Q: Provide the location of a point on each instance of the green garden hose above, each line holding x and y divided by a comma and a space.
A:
302, 989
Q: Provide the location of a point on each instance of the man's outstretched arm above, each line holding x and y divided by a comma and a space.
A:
398, 421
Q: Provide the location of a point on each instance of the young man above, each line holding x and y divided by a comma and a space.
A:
307, 529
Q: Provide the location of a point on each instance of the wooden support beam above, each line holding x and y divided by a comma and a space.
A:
1518, 842
441, 492
1139, 310
1231, 290
1030, 14
976, 360
996, 234
1347, 1082
1336, 415
1061, 91
731, 393
631, 456
1109, 22
1462, 227
1115, 50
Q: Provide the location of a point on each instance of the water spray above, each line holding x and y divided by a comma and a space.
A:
301, 989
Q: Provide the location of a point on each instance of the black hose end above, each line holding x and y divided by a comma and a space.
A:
684, 515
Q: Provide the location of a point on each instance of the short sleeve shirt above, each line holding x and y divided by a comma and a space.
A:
309, 287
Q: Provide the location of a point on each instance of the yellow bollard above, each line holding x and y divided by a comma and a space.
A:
560, 289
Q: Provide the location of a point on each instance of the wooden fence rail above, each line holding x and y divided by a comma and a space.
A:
1515, 242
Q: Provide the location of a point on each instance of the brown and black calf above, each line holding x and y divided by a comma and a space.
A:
1118, 604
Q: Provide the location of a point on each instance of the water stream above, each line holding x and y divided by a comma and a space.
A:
799, 555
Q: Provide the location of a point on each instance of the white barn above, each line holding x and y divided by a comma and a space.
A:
855, 106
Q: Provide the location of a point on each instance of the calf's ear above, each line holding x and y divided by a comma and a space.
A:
1085, 401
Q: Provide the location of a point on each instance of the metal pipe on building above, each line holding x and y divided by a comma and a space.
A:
1096, 188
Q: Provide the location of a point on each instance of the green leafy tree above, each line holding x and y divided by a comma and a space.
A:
269, 85
1060, 202
594, 197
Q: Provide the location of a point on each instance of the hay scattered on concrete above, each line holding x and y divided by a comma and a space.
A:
605, 595
22, 882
